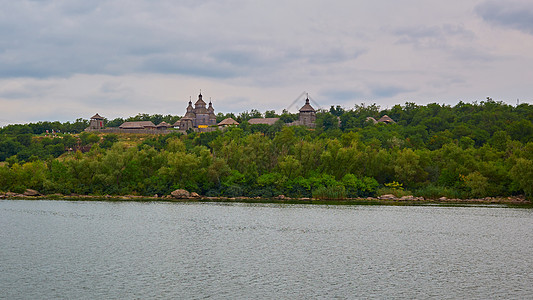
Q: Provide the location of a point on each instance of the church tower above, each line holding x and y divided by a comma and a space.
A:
198, 117
212, 116
202, 115
187, 121
307, 115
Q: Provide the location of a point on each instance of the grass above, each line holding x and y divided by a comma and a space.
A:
330, 192
396, 192
435, 192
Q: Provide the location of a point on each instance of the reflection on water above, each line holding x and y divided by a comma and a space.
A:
88, 250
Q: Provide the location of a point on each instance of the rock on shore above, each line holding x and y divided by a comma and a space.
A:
180, 194
31, 193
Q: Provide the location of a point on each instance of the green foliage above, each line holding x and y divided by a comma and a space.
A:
356, 187
522, 174
476, 183
394, 185
109, 140
395, 192
432, 191
394, 188
42, 127
89, 138
468, 150
330, 192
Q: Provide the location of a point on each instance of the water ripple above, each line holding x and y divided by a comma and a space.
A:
88, 250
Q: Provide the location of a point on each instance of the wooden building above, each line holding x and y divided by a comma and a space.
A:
96, 122
267, 121
228, 122
198, 117
137, 125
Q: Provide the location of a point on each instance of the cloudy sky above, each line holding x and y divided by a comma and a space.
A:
68, 59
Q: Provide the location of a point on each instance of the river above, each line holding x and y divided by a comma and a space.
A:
163, 250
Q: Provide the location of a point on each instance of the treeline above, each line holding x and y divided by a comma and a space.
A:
26, 147
43, 127
468, 150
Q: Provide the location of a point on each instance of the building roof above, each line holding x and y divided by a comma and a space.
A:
164, 124
185, 118
386, 119
228, 121
268, 121
307, 107
137, 125
200, 101
189, 107
97, 117
211, 111
189, 114
371, 119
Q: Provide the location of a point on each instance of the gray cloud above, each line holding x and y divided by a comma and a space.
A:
369, 92
52, 38
49, 38
24, 91
188, 64
432, 36
387, 91
334, 55
114, 88
455, 41
122, 57
342, 95
510, 14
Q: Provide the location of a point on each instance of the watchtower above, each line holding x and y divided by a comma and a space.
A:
96, 122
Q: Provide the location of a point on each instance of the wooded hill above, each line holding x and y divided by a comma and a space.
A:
462, 151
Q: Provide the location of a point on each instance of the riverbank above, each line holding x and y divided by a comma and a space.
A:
520, 201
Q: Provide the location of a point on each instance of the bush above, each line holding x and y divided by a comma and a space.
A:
395, 192
233, 191
356, 187
212, 193
394, 188
109, 140
477, 183
434, 192
330, 192
264, 192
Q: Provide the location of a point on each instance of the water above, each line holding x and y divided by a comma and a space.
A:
130, 250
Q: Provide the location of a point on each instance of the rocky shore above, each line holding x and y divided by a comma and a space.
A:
183, 195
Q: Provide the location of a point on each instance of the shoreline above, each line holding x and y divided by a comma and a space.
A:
505, 201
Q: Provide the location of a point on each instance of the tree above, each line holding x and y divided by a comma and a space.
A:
408, 169
477, 183
284, 140
336, 111
271, 114
288, 117
89, 138
522, 175
522, 130
356, 187
289, 166
499, 140
327, 121
109, 140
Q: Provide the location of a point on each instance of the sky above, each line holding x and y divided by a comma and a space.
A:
68, 59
